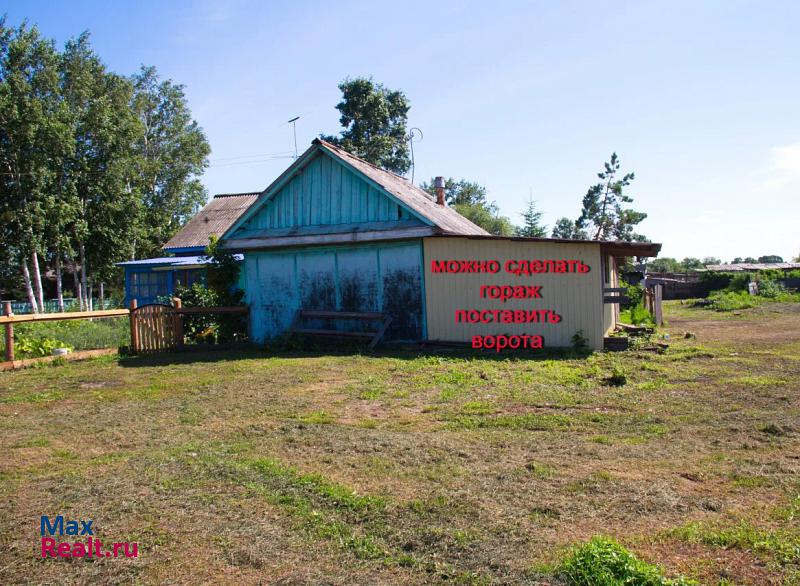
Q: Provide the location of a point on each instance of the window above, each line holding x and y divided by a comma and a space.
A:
147, 286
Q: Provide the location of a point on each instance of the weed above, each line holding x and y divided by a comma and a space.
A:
539, 470
604, 562
316, 418
617, 378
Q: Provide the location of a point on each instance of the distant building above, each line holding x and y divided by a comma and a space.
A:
758, 266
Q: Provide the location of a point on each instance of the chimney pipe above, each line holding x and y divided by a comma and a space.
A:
438, 184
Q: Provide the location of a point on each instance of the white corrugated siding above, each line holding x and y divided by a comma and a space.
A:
577, 297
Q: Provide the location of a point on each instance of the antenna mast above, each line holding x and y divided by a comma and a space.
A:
413, 133
293, 122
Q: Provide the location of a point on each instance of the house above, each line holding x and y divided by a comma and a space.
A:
334, 232
149, 279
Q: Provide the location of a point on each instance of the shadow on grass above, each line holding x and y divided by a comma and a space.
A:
316, 349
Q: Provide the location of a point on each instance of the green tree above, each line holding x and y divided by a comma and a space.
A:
375, 124
604, 215
797, 258
664, 265
469, 199
566, 228
172, 154
691, 264
96, 200
738, 260
770, 258
29, 137
711, 260
532, 222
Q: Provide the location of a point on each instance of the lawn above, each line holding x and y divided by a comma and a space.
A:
408, 468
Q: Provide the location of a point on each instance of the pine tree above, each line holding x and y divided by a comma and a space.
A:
532, 226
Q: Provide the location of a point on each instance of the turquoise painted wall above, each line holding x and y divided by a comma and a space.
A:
325, 192
384, 277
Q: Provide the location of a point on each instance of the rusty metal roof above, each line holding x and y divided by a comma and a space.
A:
216, 217
755, 266
443, 217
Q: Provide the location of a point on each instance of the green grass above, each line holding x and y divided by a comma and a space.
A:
604, 562
779, 545
407, 467
528, 421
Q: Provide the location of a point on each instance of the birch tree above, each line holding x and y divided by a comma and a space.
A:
29, 128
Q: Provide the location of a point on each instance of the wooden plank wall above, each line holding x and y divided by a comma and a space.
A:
578, 298
326, 193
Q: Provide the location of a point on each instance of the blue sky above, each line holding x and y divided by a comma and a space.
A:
700, 99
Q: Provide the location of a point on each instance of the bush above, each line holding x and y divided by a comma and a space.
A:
634, 293
731, 301
637, 315
604, 562
770, 289
210, 329
618, 377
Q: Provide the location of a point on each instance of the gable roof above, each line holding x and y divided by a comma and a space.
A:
419, 200
213, 220
442, 219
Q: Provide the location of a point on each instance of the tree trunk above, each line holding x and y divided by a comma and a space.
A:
84, 286
89, 301
102, 297
59, 286
37, 280
78, 293
29, 288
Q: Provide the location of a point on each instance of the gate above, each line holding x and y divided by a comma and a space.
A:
155, 328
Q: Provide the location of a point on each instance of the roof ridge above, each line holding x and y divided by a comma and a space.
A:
349, 154
219, 195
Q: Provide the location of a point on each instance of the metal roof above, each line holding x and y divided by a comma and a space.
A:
171, 261
213, 220
443, 217
755, 266
612, 247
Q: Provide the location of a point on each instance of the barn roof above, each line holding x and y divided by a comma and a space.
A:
213, 220
419, 200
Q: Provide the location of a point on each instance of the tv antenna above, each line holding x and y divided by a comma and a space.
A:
413, 134
293, 122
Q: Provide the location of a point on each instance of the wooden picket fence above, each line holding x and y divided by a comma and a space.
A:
156, 327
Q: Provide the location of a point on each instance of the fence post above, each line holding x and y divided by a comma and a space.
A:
134, 329
9, 332
657, 304
178, 322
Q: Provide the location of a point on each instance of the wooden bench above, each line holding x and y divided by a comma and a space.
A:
305, 314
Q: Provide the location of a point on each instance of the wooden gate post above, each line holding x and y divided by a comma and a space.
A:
178, 322
657, 305
9, 332
134, 329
